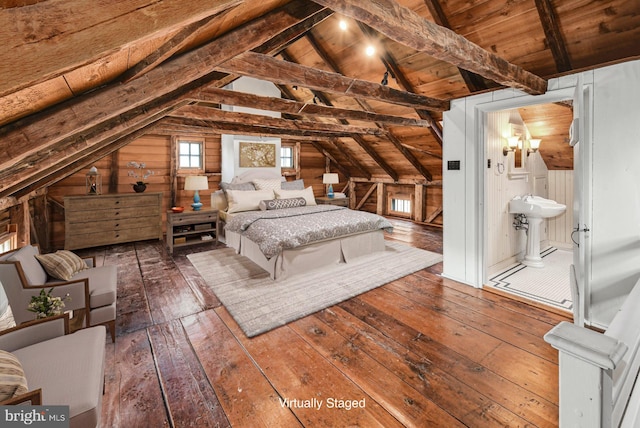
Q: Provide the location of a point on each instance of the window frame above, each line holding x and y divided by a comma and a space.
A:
292, 147
10, 237
191, 140
400, 197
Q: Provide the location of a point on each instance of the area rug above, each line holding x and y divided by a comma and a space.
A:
259, 304
549, 285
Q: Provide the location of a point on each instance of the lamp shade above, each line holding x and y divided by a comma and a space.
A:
330, 178
513, 142
196, 182
534, 143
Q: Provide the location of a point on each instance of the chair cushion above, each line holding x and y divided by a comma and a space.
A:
33, 270
103, 284
70, 371
62, 264
12, 379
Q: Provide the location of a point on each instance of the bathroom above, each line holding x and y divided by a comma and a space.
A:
515, 168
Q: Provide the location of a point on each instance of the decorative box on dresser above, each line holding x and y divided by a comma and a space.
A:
95, 220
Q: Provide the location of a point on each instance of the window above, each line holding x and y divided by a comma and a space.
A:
286, 157
401, 205
8, 238
190, 155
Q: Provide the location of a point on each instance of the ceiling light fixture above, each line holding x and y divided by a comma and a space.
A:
370, 50
343, 25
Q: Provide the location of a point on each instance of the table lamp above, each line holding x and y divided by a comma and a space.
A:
330, 179
196, 182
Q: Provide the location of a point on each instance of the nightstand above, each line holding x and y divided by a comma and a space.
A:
191, 228
341, 202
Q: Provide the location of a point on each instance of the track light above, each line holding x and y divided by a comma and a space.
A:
385, 78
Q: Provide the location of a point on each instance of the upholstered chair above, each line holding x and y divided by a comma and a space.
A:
42, 364
22, 275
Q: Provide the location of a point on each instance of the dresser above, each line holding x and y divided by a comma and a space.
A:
95, 220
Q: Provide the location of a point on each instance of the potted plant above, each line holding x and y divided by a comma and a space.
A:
44, 305
139, 175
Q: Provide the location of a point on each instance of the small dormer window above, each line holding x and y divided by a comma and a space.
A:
190, 155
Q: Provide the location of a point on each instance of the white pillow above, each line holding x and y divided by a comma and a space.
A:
246, 200
267, 183
307, 194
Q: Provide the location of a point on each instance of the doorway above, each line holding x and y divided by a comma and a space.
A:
501, 239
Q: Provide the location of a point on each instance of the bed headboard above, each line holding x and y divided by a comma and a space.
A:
249, 176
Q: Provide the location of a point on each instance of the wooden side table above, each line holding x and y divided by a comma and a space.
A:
191, 228
341, 202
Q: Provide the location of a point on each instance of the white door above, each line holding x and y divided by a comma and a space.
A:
579, 139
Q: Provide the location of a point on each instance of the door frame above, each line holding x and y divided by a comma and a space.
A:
481, 114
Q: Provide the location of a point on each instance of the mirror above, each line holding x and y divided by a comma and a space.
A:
518, 153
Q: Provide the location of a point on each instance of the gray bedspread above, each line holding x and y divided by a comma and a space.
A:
276, 230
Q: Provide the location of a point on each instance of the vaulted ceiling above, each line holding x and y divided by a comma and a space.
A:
79, 80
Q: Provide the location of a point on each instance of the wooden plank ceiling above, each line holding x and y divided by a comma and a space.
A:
79, 81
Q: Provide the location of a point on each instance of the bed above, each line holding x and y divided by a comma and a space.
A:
289, 240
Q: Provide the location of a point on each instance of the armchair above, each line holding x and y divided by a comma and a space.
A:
92, 290
60, 368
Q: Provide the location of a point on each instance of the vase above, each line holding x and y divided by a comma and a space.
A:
139, 187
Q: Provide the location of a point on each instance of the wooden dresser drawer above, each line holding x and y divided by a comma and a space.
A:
92, 221
102, 202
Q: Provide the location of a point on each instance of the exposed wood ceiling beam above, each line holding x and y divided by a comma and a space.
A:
208, 114
222, 96
288, 73
212, 127
278, 43
106, 148
426, 152
364, 144
360, 141
552, 32
32, 142
336, 143
408, 28
94, 32
474, 82
329, 156
333, 141
391, 65
406, 153
168, 49
51, 166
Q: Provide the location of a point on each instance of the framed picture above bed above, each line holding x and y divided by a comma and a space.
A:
257, 155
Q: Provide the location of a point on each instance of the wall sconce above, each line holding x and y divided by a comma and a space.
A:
513, 144
534, 145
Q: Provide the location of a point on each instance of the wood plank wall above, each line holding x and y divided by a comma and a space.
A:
155, 152
560, 189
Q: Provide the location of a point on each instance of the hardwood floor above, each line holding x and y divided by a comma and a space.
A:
421, 351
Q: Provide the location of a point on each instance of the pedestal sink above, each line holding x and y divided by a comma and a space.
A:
536, 209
